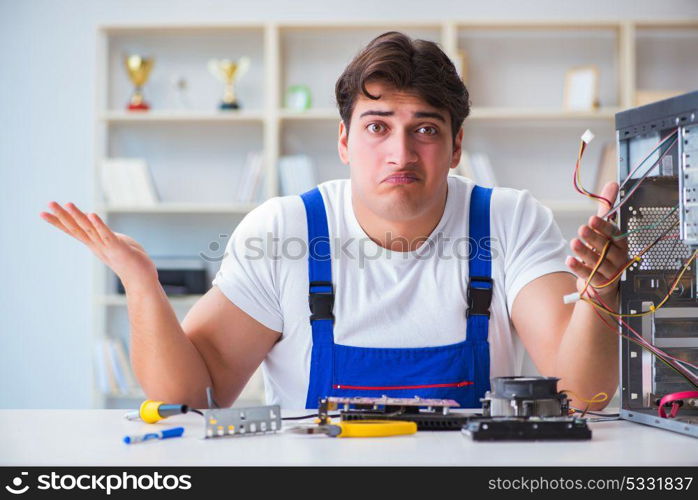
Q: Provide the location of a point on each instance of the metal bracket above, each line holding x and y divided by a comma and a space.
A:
242, 421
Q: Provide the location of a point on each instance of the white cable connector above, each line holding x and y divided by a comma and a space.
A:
571, 298
587, 136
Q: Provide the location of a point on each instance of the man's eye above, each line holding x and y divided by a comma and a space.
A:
375, 127
427, 130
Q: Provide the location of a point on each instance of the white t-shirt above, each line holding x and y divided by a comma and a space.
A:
383, 298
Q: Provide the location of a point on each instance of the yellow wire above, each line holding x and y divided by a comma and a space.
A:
604, 251
603, 395
652, 307
637, 258
595, 399
578, 175
617, 276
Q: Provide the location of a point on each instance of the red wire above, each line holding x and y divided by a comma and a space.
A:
654, 349
580, 189
674, 400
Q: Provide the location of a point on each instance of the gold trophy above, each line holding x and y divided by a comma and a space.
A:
138, 69
228, 72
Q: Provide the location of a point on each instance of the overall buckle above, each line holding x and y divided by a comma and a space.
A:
321, 303
479, 298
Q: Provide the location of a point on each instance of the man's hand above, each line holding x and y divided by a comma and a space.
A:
588, 247
121, 253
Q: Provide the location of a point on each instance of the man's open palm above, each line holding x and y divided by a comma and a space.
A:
124, 255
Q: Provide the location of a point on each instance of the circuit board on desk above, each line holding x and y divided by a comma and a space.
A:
428, 414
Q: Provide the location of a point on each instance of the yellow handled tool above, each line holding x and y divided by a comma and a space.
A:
376, 428
360, 428
154, 411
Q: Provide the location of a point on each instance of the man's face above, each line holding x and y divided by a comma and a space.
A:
399, 150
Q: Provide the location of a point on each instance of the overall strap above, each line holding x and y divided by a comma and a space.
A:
321, 291
480, 285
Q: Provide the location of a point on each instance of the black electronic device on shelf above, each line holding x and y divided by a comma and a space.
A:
178, 276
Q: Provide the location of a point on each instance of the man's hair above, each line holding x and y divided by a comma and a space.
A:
418, 66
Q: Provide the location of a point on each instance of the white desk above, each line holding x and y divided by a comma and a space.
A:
94, 437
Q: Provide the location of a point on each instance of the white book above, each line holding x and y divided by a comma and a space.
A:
285, 178
482, 170
247, 189
296, 174
116, 367
242, 186
109, 367
115, 183
255, 191
100, 368
141, 181
128, 182
464, 167
124, 365
306, 179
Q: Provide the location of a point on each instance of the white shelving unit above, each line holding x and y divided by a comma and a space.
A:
178, 208
173, 116
515, 74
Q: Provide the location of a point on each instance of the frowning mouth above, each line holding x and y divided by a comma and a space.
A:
401, 178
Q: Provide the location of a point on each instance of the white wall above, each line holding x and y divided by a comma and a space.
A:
47, 66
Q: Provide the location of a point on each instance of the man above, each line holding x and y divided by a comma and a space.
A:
398, 304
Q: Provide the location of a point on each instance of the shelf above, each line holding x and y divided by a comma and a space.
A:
490, 113
182, 208
310, 114
120, 300
156, 116
570, 207
576, 24
667, 23
555, 205
177, 28
477, 113
125, 395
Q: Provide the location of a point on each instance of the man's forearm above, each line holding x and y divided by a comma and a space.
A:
165, 362
587, 359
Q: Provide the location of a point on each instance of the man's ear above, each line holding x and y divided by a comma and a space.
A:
342, 143
457, 148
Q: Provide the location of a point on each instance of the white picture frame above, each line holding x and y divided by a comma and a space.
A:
581, 91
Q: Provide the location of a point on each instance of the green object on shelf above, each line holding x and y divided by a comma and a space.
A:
298, 97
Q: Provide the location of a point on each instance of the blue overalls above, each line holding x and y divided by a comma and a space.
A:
457, 371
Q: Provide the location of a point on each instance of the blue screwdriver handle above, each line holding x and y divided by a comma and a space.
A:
167, 433
172, 433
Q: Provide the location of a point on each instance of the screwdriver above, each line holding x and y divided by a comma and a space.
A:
359, 428
154, 411
164, 434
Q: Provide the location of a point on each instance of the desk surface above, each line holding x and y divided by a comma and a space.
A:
94, 437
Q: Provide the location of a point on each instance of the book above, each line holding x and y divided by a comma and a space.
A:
114, 184
251, 180
100, 368
296, 174
117, 369
105, 359
141, 182
464, 167
128, 182
113, 369
124, 366
483, 174
255, 192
